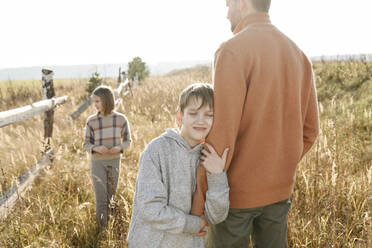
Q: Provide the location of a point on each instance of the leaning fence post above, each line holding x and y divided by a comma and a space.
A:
48, 93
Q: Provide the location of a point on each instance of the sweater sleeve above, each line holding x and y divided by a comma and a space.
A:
230, 90
126, 137
153, 201
217, 198
88, 143
311, 124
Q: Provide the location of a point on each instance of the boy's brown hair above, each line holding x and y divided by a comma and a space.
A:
107, 96
204, 91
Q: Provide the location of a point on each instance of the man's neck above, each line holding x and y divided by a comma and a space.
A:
248, 12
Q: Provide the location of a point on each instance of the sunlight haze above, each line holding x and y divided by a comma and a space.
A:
40, 32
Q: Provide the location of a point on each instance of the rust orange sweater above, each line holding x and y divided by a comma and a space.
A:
265, 111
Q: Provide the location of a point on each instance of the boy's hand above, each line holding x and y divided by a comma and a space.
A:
204, 223
211, 161
114, 150
101, 149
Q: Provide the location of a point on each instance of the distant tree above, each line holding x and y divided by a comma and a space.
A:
139, 67
94, 82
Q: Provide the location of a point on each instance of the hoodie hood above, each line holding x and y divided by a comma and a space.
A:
172, 133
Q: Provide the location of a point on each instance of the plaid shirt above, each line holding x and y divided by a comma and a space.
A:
109, 131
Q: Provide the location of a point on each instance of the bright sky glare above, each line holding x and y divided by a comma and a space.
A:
71, 32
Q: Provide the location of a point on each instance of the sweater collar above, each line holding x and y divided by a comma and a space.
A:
99, 115
257, 17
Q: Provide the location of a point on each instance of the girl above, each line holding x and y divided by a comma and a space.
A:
107, 135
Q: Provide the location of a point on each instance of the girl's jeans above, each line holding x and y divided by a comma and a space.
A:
105, 175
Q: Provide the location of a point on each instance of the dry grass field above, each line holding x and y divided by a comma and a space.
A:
331, 203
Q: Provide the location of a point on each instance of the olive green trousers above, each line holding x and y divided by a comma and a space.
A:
265, 226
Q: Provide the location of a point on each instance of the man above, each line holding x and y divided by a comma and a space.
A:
266, 113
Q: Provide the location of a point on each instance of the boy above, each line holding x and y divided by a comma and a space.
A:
167, 179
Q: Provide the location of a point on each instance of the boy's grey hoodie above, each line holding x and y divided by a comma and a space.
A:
162, 201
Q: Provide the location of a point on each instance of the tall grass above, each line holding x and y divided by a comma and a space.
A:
330, 204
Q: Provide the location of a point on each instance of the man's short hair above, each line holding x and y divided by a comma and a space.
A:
203, 91
261, 5
107, 97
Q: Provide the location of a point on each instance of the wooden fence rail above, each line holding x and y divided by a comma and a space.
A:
82, 108
9, 198
37, 108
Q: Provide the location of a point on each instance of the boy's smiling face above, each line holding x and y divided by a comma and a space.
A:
196, 121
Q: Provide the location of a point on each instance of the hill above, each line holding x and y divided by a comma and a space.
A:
85, 71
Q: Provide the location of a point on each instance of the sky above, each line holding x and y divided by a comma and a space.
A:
73, 32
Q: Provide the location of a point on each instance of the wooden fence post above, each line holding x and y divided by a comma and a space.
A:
119, 77
48, 93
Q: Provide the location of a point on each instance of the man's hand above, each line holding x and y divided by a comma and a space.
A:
101, 149
114, 150
204, 223
211, 161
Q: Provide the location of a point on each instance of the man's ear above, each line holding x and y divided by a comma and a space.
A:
179, 118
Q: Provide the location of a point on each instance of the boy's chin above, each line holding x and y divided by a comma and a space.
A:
200, 138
